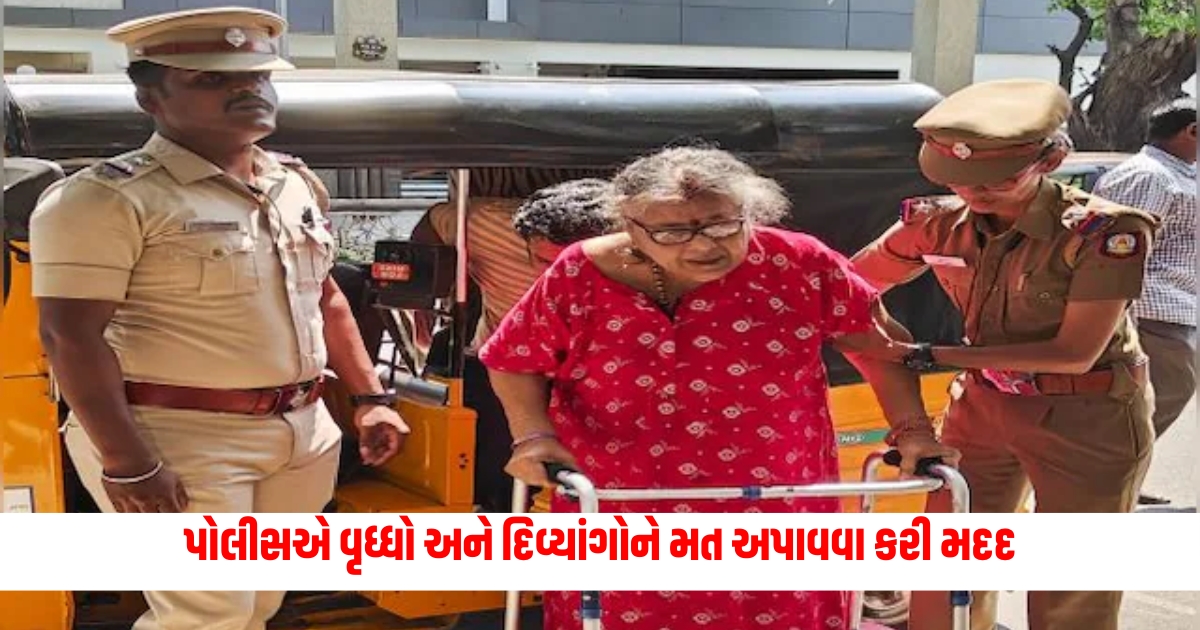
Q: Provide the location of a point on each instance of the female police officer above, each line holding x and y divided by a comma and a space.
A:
1054, 389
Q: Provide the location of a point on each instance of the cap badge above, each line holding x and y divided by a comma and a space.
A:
236, 37
961, 150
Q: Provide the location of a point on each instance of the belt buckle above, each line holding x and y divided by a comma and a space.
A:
300, 397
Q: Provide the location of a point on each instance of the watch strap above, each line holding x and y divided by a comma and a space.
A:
920, 358
386, 400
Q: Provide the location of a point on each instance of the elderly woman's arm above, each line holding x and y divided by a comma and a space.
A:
897, 388
535, 442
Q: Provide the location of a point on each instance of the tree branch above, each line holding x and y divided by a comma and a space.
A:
1088, 91
1067, 57
1078, 10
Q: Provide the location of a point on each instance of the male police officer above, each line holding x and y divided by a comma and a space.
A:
187, 308
1055, 389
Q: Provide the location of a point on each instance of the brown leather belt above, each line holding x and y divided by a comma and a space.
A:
1098, 381
269, 401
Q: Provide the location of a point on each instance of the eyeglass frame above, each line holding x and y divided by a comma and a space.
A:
692, 231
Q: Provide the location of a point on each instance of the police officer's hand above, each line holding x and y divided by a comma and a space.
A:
381, 433
528, 461
163, 492
915, 447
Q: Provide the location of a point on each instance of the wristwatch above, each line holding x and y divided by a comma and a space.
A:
386, 400
920, 359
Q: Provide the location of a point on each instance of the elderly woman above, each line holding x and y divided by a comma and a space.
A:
684, 351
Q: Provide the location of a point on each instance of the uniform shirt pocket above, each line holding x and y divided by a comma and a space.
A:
1034, 305
219, 264
315, 252
956, 282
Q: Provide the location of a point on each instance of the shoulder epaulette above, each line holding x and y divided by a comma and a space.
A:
1088, 214
1086, 221
124, 167
287, 159
919, 208
315, 184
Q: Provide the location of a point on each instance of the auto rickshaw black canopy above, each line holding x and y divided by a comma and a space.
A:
351, 118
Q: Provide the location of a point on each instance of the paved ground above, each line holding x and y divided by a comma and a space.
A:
1174, 474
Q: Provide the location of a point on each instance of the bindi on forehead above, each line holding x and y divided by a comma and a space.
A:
687, 213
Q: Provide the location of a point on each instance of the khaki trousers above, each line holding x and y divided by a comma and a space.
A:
1172, 353
227, 463
1081, 453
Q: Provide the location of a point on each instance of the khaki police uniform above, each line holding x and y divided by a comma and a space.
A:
218, 286
1082, 441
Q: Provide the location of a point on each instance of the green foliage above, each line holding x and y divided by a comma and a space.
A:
1157, 18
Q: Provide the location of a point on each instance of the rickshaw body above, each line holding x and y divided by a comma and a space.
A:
845, 152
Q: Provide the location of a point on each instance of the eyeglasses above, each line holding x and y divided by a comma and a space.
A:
716, 231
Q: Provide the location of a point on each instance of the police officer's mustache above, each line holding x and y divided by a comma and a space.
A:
251, 100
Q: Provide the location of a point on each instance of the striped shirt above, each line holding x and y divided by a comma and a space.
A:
498, 259
1165, 186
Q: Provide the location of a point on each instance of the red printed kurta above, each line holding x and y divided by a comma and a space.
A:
732, 392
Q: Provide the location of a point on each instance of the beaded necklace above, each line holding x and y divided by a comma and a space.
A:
658, 275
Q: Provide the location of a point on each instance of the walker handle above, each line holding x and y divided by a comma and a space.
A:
553, 469
924, 465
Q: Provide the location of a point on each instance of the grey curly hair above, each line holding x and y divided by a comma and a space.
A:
686, 173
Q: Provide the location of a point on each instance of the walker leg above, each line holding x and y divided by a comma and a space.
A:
590, 607
856, 609
961, 601
512, 599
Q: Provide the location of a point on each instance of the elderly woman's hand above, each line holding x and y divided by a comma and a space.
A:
529, 459
914, 447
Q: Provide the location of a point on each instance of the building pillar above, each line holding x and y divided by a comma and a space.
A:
497, 10
365, 33
945, 37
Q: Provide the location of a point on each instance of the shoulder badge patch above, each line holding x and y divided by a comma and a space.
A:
918, 208
1121, 245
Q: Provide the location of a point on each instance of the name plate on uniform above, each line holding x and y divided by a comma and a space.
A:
208, 225
943, 261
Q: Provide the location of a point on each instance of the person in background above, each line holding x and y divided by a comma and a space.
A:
1161, 179
684, 351
560, 215
512, 241
1054, 390
187, 310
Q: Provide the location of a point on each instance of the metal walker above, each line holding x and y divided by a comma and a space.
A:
933, 476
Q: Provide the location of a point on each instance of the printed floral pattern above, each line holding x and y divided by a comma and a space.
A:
730, 393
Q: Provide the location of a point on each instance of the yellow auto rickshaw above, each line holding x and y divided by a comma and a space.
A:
385, 142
